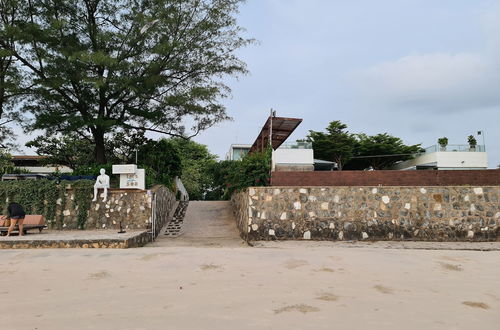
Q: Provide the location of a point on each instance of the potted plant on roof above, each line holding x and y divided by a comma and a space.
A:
443, 142
472, 142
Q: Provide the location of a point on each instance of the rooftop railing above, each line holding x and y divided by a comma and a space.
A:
455, 148
296, 145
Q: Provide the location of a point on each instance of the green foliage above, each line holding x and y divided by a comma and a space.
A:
77, 150
83, 190
69, 150
97, 66
384, 150
196, 163
219, 172
443, 142
10, 75
7, 165
359, 151
92, 169
40, 197
31, 194
472, 140
253, 170
162, 161
336, 145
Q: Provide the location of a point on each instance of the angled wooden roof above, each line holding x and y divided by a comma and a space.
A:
281, 129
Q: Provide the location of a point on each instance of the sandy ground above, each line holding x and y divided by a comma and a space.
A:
290, 286
207, 278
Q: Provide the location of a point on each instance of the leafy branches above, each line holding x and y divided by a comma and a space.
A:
336, 144
359, 151
97, 66
41, 197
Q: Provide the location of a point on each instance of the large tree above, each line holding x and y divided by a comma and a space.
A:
76, 150
336, 144
380, 151
10, 76
99, 65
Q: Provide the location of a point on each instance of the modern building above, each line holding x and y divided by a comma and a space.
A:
33, 164
238, 151
451, 157
293, 156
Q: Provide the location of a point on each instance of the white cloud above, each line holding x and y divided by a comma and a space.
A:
447, 82
438, 82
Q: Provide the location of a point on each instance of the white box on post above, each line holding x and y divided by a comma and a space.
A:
135, 180
124, 169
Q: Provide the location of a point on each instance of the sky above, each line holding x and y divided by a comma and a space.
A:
416, 69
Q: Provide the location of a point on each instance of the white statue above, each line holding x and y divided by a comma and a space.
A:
102, 182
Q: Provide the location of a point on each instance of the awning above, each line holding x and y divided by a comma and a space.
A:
281, 129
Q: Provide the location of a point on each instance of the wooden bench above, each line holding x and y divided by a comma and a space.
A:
31, 221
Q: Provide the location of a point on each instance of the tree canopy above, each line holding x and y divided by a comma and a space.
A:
359, 151
380, 151
196, 163
76, 150
336, 144
94, 66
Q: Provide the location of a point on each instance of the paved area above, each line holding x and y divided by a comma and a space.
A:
400, 245
209, 224
290, 286
54, 235
208, 278
76, 238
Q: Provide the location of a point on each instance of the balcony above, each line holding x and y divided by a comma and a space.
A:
454, 148
296, 145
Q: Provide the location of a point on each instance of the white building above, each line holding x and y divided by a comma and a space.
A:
238, 151
290, 156
33, 164
451, 157
293, 156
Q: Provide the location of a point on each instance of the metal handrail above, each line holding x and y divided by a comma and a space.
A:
455, 148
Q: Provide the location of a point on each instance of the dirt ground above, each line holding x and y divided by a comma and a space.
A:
295, 285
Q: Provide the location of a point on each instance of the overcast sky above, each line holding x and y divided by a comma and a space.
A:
416, 69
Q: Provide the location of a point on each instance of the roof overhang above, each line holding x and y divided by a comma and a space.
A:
278, 129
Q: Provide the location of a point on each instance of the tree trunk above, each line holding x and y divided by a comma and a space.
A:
100, 154
338, 160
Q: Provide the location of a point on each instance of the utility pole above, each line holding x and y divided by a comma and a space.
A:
270, 128
482, 134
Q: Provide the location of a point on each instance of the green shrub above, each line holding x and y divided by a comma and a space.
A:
253, 170
40, 197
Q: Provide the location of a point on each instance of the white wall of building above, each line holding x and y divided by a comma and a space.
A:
293, 156
462, 159
46, 169
447, 160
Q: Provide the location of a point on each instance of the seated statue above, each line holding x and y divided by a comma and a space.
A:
102, 182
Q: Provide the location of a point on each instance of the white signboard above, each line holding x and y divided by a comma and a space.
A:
135, 180
124, 169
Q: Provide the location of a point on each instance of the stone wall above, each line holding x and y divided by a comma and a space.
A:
387, 178
451, 213
132, 207
241, 208
163, 203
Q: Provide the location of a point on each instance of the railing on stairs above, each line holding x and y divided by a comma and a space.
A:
180, 187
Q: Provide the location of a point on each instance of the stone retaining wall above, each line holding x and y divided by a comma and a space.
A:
452, 213
241, 208
132, 207
134, 241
